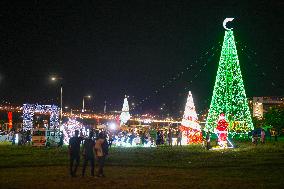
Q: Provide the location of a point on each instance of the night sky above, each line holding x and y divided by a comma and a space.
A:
109, 49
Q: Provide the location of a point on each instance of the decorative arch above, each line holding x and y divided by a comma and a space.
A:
30, 109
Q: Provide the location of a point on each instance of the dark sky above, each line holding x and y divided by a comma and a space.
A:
112, 48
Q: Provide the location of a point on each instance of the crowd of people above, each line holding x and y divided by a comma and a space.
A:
255, 137
96, 145
146, 138
20, 137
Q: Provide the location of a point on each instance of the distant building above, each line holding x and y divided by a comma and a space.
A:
260, 105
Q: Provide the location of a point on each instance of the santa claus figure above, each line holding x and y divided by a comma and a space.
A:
222, 131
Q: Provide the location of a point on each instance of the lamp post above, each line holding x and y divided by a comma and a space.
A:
54, 79
61, 96
88, 96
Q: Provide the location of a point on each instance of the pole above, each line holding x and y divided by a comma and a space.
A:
61, 92
105, 107
83, 105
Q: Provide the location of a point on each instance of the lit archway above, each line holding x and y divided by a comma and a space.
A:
30, 109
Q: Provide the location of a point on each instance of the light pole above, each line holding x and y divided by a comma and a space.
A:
61, 96
88, 96
54, 79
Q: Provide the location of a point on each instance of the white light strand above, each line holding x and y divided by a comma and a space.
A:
179, 75
30, 109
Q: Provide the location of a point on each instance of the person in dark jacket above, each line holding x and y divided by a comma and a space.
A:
60, 144
208, 140
88, 154
74, 152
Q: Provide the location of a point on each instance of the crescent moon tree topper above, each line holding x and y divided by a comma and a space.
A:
225, 23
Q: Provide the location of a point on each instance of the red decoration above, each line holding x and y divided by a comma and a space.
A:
222, 130
193, 136
10, 120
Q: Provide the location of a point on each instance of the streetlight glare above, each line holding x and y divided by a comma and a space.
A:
55, 78
87, 96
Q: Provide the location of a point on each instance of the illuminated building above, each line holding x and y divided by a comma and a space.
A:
260, 105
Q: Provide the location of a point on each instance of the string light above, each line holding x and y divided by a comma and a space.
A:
30, 109
191, 130
68, 128
251, 53
180, 74
124, 116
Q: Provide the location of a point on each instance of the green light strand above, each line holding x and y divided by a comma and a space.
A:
229, 93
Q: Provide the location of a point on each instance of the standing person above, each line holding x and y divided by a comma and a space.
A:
47, 143
170, 137
254, 138
179, 136
88, 154
208, 140
262, 136
162, 137
131, 137
20, 138
13, 138
269, 134
143, 138
153, 136
60, 144
101, 149
158, 140
28, 137
74, 152
24, 134
110, 139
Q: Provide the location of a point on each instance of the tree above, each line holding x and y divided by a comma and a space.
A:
124, 116
190, 126
258, 123
229, 94
275, 118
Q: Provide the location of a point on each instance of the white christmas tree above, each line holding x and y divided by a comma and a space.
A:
124, 116
190, 116
190, 125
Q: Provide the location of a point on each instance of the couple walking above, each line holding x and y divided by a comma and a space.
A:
100, 146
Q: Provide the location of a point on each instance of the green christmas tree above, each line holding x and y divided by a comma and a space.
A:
229, 95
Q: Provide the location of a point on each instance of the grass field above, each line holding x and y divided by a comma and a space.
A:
246, 166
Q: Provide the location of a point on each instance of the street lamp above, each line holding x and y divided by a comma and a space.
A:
54, 79
88, 96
